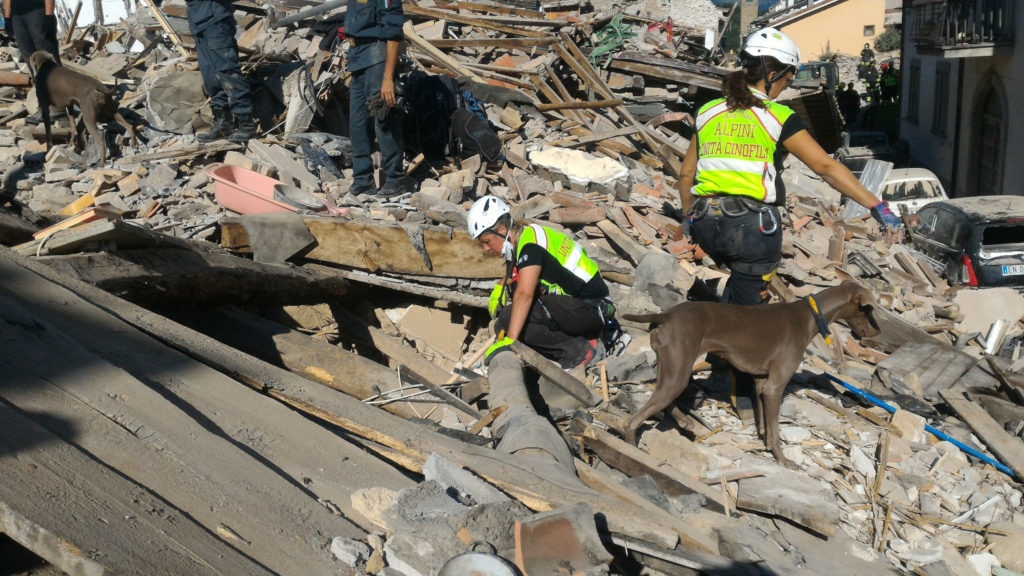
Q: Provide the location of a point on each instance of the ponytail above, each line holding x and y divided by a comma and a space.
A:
736, 88
736, 85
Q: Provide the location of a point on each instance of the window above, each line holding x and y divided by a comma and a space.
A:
914, 90
940, 108
869, 30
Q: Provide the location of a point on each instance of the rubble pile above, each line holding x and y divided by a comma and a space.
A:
908, 443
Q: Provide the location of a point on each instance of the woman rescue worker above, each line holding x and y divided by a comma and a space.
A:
560, 305
729, 183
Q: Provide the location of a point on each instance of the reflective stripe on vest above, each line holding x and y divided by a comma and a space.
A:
737, 149
567, 251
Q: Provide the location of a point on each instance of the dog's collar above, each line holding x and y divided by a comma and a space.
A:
820, 321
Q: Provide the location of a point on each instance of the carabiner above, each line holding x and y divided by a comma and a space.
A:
771, 217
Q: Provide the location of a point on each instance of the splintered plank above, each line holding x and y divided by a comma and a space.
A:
181, 429
165, 275
1006, 447
932, 365
411, 442
634, 462
85, 518
792, 496
383, 247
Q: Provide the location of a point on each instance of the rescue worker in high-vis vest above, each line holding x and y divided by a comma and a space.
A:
730, 185
559, 302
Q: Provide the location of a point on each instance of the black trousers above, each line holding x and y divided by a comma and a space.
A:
559, 327
212, 24
748, 243
34, 31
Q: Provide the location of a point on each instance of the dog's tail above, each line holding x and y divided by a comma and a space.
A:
649, 318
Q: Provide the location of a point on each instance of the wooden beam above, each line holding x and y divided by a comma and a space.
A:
440, 57
85, 518
513, 476
634, 462
414, 10
556, 375
387, 247
493, 42
576, 104
175, 39
1007, 448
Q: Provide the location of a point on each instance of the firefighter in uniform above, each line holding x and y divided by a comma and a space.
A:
374, 31
559, 302
730, 185
212, 24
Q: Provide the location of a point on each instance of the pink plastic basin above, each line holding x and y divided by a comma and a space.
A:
244, 191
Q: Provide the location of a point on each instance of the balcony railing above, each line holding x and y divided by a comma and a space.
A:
962, 24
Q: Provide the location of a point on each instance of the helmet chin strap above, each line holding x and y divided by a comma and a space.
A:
507, 250
768, 81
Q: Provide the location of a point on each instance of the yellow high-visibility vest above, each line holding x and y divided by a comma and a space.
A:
737, 149
567, 251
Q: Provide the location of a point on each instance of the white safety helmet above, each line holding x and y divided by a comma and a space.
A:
771, 42
484, 214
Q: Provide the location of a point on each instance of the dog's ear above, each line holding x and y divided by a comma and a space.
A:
865, 299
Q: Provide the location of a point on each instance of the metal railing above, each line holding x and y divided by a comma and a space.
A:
952, 24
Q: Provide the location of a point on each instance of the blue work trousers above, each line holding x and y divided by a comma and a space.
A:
363, 128
212, 24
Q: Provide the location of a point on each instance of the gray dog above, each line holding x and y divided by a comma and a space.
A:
766, 341
62, 87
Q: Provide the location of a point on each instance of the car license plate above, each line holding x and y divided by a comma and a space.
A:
1013, 269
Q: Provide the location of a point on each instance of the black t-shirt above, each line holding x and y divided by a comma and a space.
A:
553, 272
26, 6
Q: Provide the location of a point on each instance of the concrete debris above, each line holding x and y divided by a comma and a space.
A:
592, 103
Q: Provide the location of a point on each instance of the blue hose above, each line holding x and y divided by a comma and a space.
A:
930, 429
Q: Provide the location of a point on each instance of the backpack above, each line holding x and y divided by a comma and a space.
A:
430, 100
472, 135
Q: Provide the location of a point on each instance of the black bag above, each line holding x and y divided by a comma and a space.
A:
471, 135
429, 100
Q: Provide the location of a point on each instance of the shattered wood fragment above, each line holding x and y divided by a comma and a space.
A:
590, 104
635, 462
175, 39
1007, 447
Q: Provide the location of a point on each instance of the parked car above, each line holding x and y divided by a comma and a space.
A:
909, 189
976, 241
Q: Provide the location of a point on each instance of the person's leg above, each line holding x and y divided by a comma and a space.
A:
44, 32
389, 139
566, 349
219, 38
360, 131
222, 56
21, 25
200, 17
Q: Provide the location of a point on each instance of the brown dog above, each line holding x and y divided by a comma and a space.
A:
766, 341
59, 86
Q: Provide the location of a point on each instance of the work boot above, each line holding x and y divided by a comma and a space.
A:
393, 187
245, 130
220, 128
